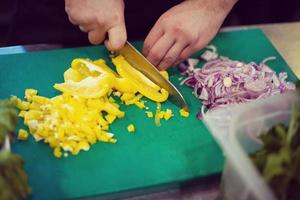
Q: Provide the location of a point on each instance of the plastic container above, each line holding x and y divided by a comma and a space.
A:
236, 128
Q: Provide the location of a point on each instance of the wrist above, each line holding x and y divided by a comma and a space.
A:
223, 6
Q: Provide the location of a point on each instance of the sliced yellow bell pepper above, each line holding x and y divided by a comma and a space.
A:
142, 83
90, 87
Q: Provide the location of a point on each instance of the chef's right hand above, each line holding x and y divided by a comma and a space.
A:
98, 18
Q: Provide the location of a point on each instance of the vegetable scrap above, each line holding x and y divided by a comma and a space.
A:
149, 114
13, 179
279, 158
222, 81
79, 117
23, 134
184, 113
131, 128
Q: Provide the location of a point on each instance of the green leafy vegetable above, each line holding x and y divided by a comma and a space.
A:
13, 179
279, 158
8, 118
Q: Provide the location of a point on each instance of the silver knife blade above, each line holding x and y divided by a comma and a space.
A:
139, 62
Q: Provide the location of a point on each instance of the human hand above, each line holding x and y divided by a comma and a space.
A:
184, 29
98, 18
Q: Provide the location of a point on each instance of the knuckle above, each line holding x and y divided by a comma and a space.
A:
100, 21
169, 60
116, 17
178, 30
197, 47
183, 56
154, 57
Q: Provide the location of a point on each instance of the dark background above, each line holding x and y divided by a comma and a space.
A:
45, 21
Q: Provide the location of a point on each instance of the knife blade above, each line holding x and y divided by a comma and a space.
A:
139, 62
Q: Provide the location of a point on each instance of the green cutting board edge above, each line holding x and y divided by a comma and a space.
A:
181, 149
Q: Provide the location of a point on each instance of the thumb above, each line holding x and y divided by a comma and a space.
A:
117, 37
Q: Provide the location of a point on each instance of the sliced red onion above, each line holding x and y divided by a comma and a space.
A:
222, 81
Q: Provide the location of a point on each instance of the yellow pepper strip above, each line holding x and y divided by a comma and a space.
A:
90, 87
101, 64
23, 134
142, 83
184, 113
127, 96
87, 68
84, 68
130, 128
125, 85
120, 61
73, 75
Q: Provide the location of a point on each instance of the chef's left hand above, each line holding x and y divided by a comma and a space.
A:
184, 29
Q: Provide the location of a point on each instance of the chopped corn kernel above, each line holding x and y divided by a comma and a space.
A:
131, 128
149, 114
57, 152
184, 113
161, 114
168, 114
22, 113
23, 134
29, 93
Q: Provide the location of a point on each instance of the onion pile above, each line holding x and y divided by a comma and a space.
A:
222, 81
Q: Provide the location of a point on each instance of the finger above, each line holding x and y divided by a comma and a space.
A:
117, 37
72, 21
96, 36
154, 35
160, 48
172, 55
83, 29
189, 50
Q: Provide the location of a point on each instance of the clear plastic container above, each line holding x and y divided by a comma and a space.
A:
236, 128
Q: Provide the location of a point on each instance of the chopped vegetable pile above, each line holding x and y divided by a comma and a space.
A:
279, 158
81, 116
13, 179
222, 81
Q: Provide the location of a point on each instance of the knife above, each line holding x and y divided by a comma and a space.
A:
139, 62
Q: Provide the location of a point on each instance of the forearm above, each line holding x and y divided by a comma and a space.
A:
218, 5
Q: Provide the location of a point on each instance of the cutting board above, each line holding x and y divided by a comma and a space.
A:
181, 149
